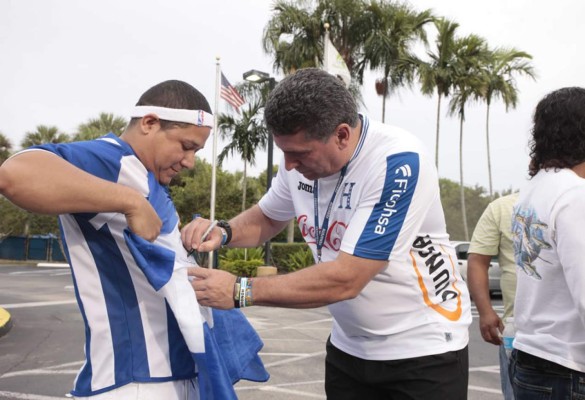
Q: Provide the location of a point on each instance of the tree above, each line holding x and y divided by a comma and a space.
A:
247, 132
44, 134
498, 75
104, 124
476, 202
5, 148
294, 34
437, 74
471, 52
388, 46
191, 192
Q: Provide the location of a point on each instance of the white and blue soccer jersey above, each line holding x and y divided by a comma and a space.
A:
142, 320
388, 207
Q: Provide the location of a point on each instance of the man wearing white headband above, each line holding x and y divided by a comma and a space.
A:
146, 336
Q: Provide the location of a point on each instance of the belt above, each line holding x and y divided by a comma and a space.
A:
529, 360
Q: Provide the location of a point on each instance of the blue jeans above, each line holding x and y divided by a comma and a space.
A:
534, 378
504, 376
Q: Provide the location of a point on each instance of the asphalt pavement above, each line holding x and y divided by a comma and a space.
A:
41, 354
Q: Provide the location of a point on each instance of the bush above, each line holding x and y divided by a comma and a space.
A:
246, 268
254, 253
299, 260
242, 262
288, 257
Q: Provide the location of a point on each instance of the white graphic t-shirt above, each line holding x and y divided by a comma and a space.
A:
386, 208
549, 247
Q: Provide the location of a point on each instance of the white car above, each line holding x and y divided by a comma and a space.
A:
494, 272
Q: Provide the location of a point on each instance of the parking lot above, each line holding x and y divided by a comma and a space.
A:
41, 354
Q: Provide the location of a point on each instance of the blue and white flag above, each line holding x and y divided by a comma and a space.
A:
223, 344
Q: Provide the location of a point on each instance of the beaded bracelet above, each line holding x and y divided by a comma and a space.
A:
247, 295
243, 292
237, 286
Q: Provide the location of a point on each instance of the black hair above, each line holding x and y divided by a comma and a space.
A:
173, 94
558, 133
310, 100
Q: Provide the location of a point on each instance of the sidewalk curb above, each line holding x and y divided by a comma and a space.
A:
5, 322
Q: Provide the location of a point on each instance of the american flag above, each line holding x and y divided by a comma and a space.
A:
230, 94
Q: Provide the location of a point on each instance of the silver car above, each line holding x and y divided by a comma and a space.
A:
494, 272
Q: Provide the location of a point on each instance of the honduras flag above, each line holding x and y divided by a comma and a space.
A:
223, 344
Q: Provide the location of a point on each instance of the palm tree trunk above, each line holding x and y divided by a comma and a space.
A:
383, 107
244, 189
463, 211
487, 142
437, 136
290, 231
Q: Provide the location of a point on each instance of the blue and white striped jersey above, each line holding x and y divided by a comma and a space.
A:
131, 334
142, 319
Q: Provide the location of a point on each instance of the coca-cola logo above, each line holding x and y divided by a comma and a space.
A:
333, 237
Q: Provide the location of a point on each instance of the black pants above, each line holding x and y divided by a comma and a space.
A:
436, 377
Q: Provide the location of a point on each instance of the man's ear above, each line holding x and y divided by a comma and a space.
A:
148, 123
342, 134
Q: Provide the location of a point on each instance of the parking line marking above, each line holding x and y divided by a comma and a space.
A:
484, 389
293, 359
26, 396
38, 372
38, 304
289, 391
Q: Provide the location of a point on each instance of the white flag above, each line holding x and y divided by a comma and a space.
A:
333, 62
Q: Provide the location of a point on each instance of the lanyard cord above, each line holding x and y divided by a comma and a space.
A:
321, 233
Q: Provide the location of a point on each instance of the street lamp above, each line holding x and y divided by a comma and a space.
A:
256, 76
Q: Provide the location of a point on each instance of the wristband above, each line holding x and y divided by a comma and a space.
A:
224, 236
237, 286
244, 294
228, 230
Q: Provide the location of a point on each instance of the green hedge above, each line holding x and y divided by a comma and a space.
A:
286, 257
284, 253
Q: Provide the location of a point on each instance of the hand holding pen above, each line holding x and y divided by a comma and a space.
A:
204, 236
193, 240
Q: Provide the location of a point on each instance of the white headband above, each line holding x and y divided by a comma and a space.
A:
195, 117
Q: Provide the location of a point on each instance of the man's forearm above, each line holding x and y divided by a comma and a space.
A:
252, 228
478, 281
318, 285
41, 182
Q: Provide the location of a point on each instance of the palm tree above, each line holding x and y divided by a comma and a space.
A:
96, 127
388, 46
498, 75
44, 134
5, 148
437, 74
470, 54
247, 132
294, 35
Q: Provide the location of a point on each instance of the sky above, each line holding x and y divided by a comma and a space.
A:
63, 62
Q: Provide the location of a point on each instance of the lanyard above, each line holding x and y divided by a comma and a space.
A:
321, 233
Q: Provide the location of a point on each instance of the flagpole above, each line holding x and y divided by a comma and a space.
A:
332, 60
325, 47
214, 152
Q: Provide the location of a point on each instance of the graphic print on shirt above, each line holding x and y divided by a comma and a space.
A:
335, 229
345, 195
528, 235
385, 223
435, 271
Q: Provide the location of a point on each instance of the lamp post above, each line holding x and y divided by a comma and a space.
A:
256, 76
